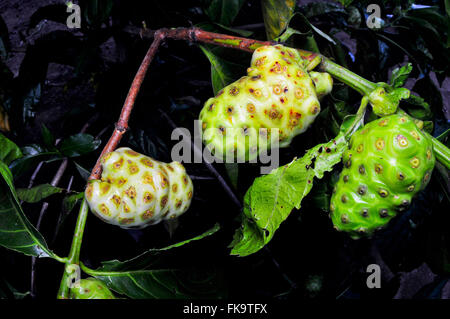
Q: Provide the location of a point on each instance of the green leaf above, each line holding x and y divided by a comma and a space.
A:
142, 261
224, 11
68, 204
84, 173
16, 231
9, 151
47, 137
299, 22
288, 33
272, 197
277, 14
37, 193
164, 283
417, 107
345, 3
400, 75
23, 164
222, 71
159, 283
241, 32
79, 144
233, 173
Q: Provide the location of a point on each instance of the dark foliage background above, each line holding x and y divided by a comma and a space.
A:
54, 80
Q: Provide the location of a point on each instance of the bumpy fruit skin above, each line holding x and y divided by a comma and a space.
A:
323, 82
136, 191
91, 288
388, 162
277, 93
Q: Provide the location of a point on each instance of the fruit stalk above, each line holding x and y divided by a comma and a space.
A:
441, 151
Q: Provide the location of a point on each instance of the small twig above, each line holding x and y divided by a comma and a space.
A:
194, 177
37, 170
208, 165
33, 176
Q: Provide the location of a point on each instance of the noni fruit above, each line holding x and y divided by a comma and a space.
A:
91, 288
272, 104
388, 161
136, 191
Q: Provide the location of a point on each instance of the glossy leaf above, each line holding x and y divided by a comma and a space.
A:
37, 193
68, 205
241, 32
224, 11
23, 164
277, 14
9, 151
159, 283
164, 283
222, 72
47, 137
79, 144
272, 197
84, 173
143, 260
16, 232
400, 75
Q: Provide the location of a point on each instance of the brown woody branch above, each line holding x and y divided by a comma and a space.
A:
122, 123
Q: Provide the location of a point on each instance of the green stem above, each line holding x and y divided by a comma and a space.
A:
365, 87
358, 117
353, 80
92, 272
74, 254
441, 151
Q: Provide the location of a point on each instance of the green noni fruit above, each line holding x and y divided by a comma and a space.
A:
136, 191
389, 160
277, 93
91, 288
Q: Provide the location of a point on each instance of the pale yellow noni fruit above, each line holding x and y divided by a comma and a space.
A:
136, 191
